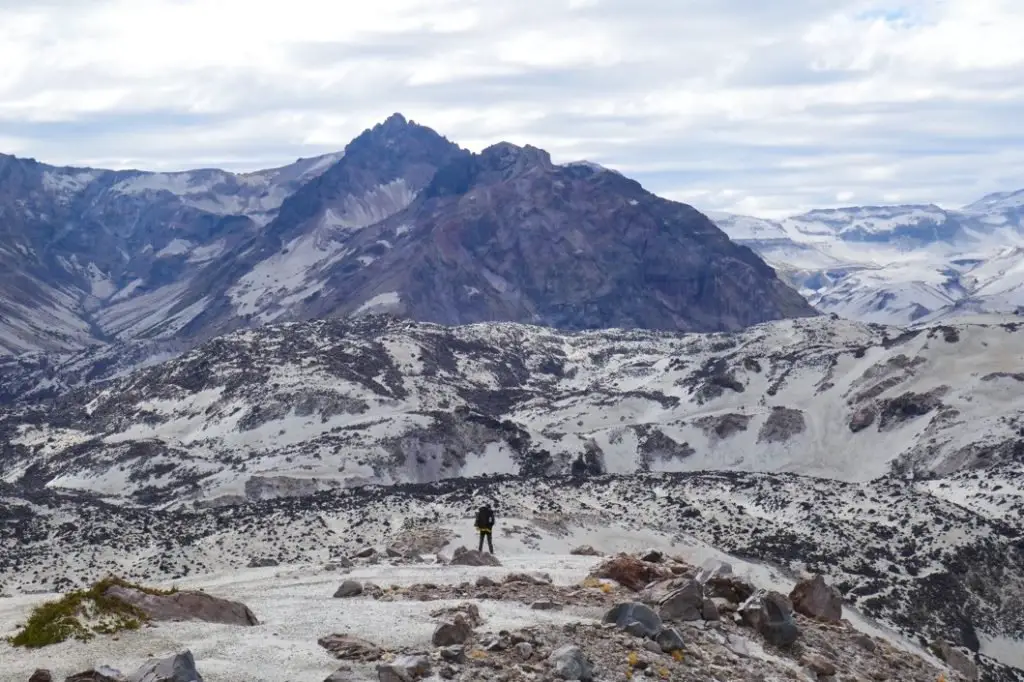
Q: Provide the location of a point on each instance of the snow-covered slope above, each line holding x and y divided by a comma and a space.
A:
922, 566
296, 408
90, 256
897, 264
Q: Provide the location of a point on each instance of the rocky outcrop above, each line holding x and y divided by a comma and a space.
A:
630, 572
814, 598
350, 648
463, 556
185, 606
782, 424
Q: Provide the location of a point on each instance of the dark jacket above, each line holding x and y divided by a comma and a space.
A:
484, 517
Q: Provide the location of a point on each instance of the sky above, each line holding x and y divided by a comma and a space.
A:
747, 106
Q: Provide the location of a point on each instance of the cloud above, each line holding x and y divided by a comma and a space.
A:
743, 105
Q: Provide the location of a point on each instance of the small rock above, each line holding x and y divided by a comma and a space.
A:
343, 675
524, 650
684, 604
178, 668
652, 646
709, 611
818, 664
404, 669
584, 550
101, 674
337, 564
453, 654
738, 646
670, 640
348, 648
653, 556
451, 633
263, 562
349, 588
471, 557
864, 641
41, 675
545, 606
484, 581
526, 578
731, 588
637, 619
570, 664
365, 553
814, 598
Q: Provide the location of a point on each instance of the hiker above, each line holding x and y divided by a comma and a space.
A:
484, 524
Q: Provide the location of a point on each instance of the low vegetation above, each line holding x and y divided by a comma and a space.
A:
82, 615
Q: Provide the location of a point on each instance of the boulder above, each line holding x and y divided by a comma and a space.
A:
814, 598
349, 588
467, 610
471, 557
670, 640
653, 556
366, 553
584, 550
771, 614
101, 674
177, 668
451, 633
569, 663
263, 562
453, 654
545, 605
713, 568
349, 648
630, 572
41, 675
683, 604
527, 579
709, 611
184, 606
636, 618
404, 669
730, 588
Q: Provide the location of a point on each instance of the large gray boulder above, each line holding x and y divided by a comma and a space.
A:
185, 606
636, 618
180, 667
450, 633
683, 604
771, 614
570, 664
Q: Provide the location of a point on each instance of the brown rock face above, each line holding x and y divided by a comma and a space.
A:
185, 606
507, 235
816, 599
630, 572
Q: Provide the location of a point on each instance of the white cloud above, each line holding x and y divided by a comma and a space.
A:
729, 104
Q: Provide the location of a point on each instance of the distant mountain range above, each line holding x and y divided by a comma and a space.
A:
402, 221
898, 265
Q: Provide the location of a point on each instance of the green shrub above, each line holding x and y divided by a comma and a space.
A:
82, 615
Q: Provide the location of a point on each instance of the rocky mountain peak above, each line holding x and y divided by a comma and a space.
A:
511, 160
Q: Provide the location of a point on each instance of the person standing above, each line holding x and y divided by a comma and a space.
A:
484, 525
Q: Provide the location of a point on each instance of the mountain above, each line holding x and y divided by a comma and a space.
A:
292, 409
88, 256
898, 264
403, 220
